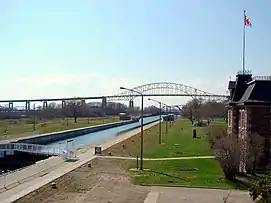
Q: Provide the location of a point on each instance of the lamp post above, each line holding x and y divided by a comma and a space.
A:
34, 123
167, 117
141, 133
170, 122
160, 126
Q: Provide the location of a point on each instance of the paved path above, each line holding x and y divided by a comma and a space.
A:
158, 159
195, 195
51, 171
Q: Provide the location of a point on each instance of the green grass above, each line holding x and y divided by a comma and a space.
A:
176, 143
180, 143
208, 174
21, 127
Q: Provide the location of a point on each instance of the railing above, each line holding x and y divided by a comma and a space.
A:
34, 148
262, 78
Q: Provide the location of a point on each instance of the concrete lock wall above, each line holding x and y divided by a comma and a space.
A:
57, 136
124, 131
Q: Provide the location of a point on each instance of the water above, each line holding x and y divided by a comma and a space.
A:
99, 136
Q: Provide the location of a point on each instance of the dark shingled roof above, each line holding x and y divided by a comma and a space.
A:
258, 91
246, 91
240, 86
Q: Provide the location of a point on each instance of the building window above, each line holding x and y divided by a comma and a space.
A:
242, 119
229, 118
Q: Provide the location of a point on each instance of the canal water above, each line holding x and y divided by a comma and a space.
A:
98, 137
21, 159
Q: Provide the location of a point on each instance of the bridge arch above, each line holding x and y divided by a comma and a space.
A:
165, 89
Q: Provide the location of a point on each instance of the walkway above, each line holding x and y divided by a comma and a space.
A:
40, 176
196, 195
158, 159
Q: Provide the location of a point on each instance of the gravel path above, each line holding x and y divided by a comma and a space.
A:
104, 182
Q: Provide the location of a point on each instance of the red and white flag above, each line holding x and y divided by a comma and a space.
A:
247, 21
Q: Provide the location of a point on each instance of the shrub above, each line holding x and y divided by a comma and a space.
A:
226, 149
261, 189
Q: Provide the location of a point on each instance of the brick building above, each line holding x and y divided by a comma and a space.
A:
249, 111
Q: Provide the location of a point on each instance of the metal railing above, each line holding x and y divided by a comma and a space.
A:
34, 148
262, 77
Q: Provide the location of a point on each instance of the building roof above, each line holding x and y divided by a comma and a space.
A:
249, 91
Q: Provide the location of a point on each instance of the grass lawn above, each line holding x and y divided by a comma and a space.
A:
193, 173
176, 142
21, 127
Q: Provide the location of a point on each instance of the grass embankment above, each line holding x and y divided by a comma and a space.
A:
178, 142
23, 127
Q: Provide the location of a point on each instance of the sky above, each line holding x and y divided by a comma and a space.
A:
68, 48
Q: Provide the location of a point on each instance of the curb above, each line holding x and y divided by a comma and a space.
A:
189, 186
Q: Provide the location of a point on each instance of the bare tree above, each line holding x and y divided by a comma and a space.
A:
226, 149
151, 110
191, 110
198, 109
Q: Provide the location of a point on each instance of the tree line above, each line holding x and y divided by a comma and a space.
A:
199, 109
78, 109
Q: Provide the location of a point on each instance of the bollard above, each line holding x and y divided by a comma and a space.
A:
53, 185
136, 162
194, 132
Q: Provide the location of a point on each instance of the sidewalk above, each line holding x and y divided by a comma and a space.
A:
195, 195
158, 159
60, 168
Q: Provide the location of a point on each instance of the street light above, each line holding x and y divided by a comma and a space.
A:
170, 122
167, 117
160, 126
141, 134
34, 123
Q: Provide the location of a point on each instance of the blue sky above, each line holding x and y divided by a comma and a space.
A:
82, 48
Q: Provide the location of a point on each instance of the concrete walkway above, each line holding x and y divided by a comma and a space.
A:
158, 159
40, 176
196, 195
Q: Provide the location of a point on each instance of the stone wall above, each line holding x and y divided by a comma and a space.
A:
232, 120
260, 125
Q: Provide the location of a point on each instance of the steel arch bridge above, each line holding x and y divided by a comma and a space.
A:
166, 89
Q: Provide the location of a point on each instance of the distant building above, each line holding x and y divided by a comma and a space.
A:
249, 110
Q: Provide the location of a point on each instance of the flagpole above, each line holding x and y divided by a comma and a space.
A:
244, 42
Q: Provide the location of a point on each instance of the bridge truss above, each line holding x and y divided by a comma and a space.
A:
166, 89
150, 90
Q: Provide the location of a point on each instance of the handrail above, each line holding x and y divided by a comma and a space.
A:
33, 148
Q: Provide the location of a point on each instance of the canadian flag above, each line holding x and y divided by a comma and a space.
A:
247, 21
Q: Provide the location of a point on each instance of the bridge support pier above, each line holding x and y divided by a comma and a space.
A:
104, 102
10, 105
83, 103
63, 104
27, 105
131, 104
45, 105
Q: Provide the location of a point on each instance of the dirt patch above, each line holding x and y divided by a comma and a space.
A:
106, 181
